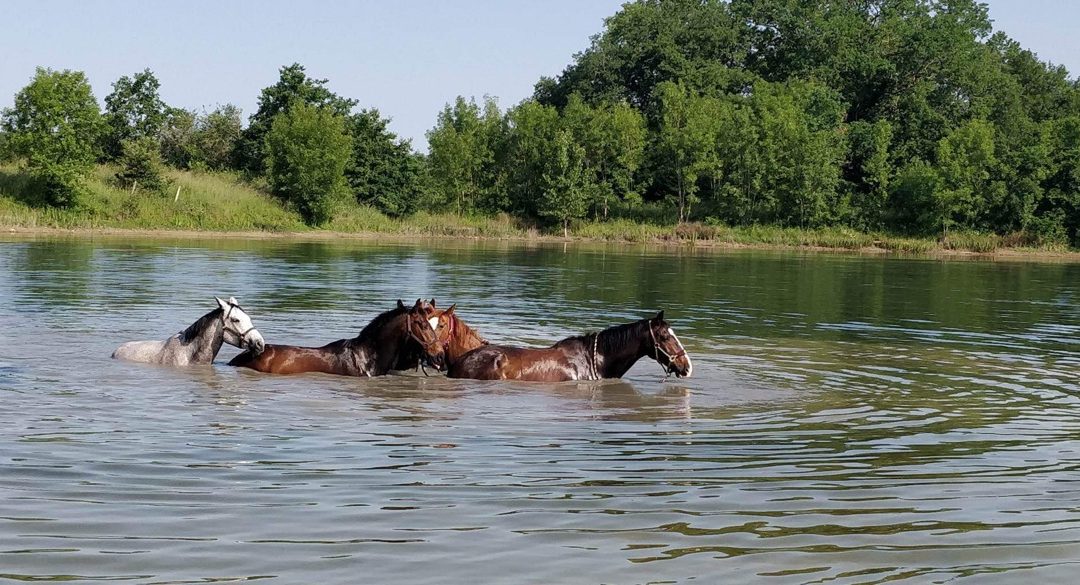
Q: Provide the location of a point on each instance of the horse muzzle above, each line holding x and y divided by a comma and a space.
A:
253, 341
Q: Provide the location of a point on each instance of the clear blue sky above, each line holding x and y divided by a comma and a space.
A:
405, 58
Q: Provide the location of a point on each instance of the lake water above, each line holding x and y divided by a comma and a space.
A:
850, 420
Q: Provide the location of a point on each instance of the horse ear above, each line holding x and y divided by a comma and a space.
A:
221, 303
419, 304
232, 301
432, 302
400, 304
450, 311
660, 316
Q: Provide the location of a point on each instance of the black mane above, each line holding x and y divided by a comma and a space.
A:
379, 322
612, 338
196, 328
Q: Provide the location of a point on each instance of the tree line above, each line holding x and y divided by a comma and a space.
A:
910, 116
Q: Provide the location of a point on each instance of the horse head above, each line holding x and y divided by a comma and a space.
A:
667, 350
420, 325
238, 330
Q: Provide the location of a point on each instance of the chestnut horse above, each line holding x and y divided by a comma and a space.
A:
457, 338
390, 341
607, 354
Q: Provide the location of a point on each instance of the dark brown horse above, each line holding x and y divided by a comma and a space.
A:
607, 354
390, 341
457, 338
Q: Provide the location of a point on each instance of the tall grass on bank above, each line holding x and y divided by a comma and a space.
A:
222, 202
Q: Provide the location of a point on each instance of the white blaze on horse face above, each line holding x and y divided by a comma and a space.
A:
682, 350
434, 322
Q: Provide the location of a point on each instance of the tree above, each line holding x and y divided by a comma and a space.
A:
178, 138
462, 152
55, 124
383, 171
307, 149
293, 87
966, 161
868, 171
613, 136
215, 136
565, 188
133, 110
524, 156
686, 140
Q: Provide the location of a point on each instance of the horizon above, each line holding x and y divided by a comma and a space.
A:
432, 53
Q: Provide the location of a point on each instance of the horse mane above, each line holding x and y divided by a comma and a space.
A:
467, 332
380, 321
201, 324
612, 338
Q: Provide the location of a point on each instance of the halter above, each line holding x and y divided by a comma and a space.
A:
409, 332
225, 322
657, 350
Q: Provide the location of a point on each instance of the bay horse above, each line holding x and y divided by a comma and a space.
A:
454, 334
607, 354
201, 341
379, 348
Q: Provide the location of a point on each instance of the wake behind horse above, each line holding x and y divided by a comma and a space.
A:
200, 342
607, 354
394, 339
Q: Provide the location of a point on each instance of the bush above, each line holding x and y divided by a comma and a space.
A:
140, 165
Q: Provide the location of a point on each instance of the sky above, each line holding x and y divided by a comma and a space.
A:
407, 59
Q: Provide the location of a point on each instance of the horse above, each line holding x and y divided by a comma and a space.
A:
607, 354
382, 345
454, 334
199, 343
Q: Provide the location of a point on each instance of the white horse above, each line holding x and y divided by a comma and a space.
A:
199, 343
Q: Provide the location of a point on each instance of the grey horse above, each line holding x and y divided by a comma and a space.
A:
199, 343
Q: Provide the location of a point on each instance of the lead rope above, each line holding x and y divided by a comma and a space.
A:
656, 354
595, 371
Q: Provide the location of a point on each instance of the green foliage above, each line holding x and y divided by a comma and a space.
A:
178, 138
526, 148
868, 172
966, 164
133, 111
307, 150
54, 125
564, 195
293, 87
613, 136
140, 165
462, 153
383, 171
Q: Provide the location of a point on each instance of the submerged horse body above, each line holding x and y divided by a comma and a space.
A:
200, 342
395, 339
607, 354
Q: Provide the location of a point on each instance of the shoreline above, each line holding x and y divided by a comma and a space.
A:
1032, 254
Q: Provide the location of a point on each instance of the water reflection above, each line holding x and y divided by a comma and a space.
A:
851, 420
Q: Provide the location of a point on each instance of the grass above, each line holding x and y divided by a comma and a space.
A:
219, 202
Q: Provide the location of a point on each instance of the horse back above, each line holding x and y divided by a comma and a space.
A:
290, 359
497, 362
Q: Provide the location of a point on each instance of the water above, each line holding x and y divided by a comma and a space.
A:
850, 420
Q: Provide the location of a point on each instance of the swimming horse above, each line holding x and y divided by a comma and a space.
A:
199, 343
454, 334
607, 354
390, 341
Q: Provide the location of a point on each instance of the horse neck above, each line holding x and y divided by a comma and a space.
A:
463, 340
382, 345
205, 336
618, 349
